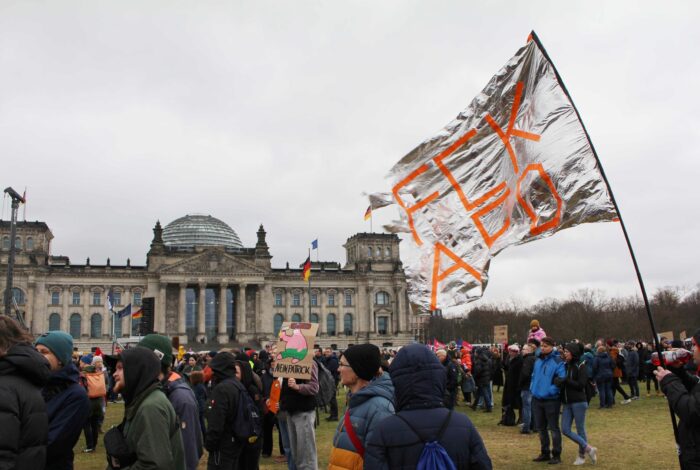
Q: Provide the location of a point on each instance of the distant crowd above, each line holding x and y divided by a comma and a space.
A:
398, 405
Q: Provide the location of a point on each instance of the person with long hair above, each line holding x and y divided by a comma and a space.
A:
23, 372
574, 401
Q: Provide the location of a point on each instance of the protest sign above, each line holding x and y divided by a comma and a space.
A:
500, 334
294, 352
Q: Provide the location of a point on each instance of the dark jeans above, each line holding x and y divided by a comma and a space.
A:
656, 383
334, 404
450, 399
483, 392
546, 413
526, 411
634, 386
250, 456
605, 393
92, 425
268, 426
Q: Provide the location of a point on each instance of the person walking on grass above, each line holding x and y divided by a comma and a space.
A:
603, 374
574, 402
370, 400
545, 401
524, 386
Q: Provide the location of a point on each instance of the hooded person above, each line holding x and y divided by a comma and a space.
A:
67, 402
23, 419
181, 396
224, 449
682, 389
150, 428
419, 386
371, 399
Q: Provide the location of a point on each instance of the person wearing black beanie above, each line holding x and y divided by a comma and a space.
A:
682, 390
371, 399
364, 360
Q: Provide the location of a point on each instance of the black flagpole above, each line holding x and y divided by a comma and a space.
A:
647, 306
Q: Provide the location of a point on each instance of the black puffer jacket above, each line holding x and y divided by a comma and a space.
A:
683, 393
482, 370
24, 423
223, 403
419, 384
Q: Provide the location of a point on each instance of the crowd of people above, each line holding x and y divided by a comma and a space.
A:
398, 413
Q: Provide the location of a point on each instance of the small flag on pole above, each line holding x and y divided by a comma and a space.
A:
306, 273
314, 244
368, 213
137, 314
125, 312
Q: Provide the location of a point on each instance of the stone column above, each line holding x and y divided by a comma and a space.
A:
258, 299
201, 311
240, 312
160, 312
182, 314
65, 317
85, 302
222, 336
400, 319
287, 304
29, 307
322, 315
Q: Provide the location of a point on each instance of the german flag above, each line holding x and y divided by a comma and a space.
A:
137, 314
306, 272
368, 212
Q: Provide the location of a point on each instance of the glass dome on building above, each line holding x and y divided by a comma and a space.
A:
200, 230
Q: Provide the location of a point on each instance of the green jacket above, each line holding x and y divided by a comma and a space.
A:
149, 420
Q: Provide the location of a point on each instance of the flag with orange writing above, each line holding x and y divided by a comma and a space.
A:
516, 165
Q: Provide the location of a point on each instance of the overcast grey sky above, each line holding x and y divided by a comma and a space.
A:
118, 114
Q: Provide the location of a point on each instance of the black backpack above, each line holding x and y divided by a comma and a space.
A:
326, 386
247, 427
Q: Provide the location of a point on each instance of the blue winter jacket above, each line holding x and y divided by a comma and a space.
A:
603, 368
632, 364
367, 408
67, 406
419, 386
546, 368
184, 402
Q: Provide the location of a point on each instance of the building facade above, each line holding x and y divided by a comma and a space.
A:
210, 289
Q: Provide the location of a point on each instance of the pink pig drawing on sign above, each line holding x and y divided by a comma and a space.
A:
296, 346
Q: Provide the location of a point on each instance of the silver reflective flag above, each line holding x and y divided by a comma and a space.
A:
516, 165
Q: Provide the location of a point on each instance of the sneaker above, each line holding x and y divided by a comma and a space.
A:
555, 460
624, 402
579, 461
593, 455
88, 451
635, 398
541, 458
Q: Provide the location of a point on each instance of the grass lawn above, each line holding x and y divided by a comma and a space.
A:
634, 436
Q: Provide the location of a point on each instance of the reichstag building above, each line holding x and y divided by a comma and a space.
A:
210, 289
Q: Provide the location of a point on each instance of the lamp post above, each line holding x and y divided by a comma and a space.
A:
16, 200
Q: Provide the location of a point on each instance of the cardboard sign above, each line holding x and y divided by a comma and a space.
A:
295, 350
500, 333
666, 334
683, 335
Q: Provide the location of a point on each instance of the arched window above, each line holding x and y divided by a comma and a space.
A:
18, 295
314, 318
279, 318
369, 251
18, 243
96, 325
75, 324
30, 244
6, 243
54, 322
387, 252
55, 298
347, 324
330, 324
382, 298
348, 299
296, 318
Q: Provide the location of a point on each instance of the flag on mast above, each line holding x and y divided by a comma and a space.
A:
515, 166
314, 244
109, 302
125, 312
368, 212
306, 272
137, 314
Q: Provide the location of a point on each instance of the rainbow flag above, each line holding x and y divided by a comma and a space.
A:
306, 272
368, 213
137, 314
